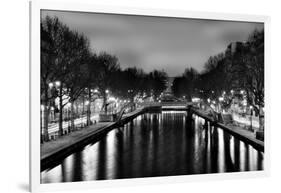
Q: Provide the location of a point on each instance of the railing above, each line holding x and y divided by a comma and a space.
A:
122, 111
176, 103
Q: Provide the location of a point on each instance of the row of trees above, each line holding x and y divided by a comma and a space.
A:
70, 70
240, 67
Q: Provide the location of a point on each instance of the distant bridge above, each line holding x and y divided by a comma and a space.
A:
175, 105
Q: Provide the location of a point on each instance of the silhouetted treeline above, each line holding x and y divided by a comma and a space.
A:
240, 67
70, 70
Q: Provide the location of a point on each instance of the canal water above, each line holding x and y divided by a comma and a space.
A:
157, 144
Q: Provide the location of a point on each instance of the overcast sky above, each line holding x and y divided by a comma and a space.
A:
160, 43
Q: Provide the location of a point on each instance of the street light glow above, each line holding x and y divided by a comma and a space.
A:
112, 99
57, 83
106, 91
195, 99
51, 85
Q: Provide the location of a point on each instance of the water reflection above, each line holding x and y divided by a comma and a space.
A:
158, 144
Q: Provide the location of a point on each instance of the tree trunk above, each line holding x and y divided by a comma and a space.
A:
46, 122
72, 116
45, 114
77, 112
89, 108
41, 126
60, 112
105, 103
261, 119
83, 105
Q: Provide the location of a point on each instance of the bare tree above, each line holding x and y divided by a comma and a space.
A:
107, 77
51, 41
91, 71
64, 52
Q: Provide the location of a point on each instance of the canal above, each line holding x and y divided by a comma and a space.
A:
157, 144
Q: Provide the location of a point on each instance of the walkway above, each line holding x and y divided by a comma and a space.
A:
64, 145
243, 134
51, 147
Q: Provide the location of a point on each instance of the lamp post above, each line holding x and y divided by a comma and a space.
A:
105, 100
68, 116
59, 87
87, 103
220, 101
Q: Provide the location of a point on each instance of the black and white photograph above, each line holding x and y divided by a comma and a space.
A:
136, 96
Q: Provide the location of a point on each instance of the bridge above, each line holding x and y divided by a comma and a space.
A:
176, 105
210, 117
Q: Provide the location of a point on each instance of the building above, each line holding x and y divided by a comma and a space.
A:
169, 84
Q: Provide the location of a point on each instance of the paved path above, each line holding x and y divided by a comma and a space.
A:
62, 143
51, 147
240, 132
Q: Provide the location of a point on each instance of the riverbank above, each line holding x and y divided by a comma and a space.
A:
243, 134
53, 151
57, 149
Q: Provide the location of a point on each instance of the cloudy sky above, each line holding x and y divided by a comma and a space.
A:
156, 42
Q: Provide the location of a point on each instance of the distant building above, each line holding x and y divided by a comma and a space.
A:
235, 47
169, 84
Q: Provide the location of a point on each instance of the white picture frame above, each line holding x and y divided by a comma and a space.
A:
36, 6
